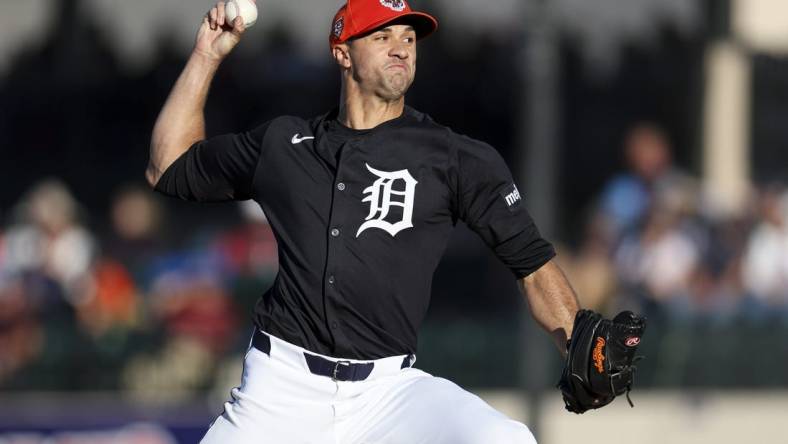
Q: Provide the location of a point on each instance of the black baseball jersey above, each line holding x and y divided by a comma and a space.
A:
361, 219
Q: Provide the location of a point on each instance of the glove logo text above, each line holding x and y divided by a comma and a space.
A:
598, 355
632, 341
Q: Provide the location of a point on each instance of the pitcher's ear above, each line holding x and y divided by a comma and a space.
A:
341, 53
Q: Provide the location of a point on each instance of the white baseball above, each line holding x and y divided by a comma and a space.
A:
245, 8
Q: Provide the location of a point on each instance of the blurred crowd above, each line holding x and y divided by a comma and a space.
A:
655, 244
124, 308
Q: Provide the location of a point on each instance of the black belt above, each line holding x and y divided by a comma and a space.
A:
336, 370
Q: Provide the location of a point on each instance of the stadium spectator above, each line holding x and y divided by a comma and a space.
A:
48, 239
136, 217
48, 256
765, 269
659, 261
111, 305
21, 333
627, 198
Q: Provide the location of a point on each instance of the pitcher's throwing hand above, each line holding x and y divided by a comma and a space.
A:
217, 36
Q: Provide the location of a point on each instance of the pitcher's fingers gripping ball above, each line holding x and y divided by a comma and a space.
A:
220, 33
246, 9
600, 360
222, 15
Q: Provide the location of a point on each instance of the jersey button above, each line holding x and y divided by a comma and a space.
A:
341, 186
331, 279
334, 325
335, 232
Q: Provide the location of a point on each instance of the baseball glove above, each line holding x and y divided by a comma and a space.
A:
600, 360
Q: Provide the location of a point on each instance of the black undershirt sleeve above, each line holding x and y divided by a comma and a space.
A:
490, 204
217, 169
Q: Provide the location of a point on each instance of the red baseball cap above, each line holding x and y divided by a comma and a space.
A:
358, 17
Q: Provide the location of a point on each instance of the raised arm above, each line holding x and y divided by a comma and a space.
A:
181, 121
552, 301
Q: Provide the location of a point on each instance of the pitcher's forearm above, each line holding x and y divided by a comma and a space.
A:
552, 301
181, 122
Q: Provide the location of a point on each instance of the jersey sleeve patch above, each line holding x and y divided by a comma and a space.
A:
511, 195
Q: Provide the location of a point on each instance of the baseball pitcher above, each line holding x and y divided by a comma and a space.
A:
363, 200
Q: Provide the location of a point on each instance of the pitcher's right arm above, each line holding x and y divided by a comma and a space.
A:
181, 121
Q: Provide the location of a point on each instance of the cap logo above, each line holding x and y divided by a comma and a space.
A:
394, 5
339, 26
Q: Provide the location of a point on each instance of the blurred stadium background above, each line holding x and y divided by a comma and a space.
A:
650, 141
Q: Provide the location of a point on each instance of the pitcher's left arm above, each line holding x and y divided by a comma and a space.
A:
552, 301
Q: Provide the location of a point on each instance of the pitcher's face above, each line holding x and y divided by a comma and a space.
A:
384, 61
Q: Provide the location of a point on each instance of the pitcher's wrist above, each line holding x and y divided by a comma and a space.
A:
205, 58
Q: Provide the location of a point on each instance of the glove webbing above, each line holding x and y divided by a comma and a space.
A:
624, 369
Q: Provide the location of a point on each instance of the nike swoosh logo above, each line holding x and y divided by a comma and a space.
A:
296, 140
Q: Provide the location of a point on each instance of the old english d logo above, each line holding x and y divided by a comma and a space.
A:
380, 196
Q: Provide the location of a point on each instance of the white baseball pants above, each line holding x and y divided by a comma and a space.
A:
281, 402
